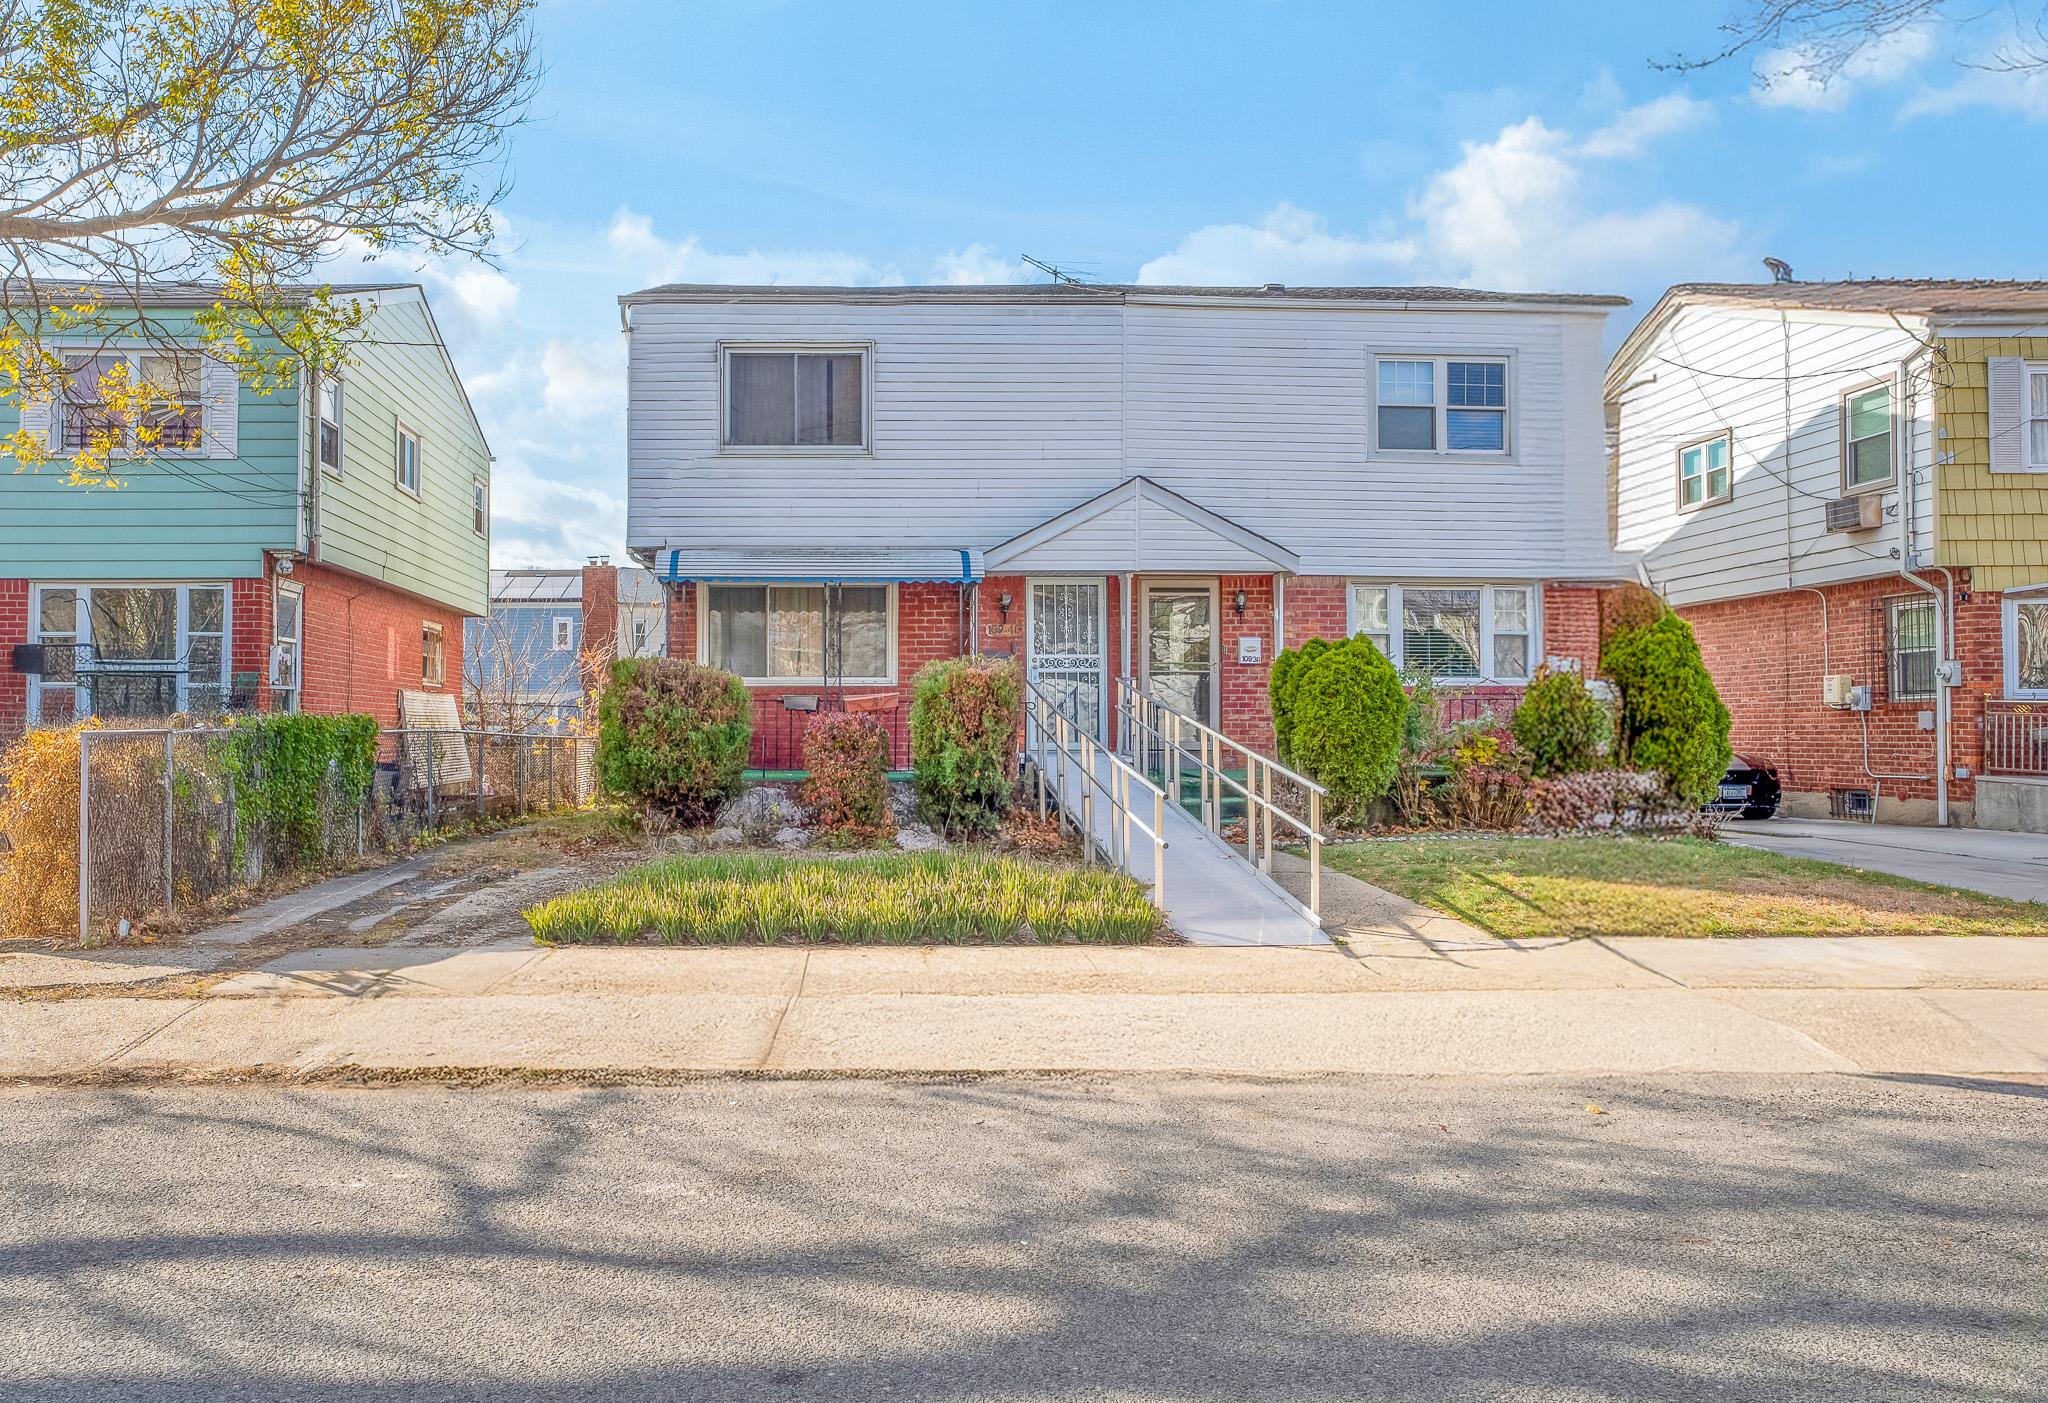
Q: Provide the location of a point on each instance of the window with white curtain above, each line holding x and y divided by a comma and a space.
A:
802, 633
1454, 633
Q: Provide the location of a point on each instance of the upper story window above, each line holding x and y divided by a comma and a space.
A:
2037, 418
1440, 405
479, 507
1867, 438
1703, 475
408, 473
1456, 633
565, 633
785, 398
98, 404
329, 445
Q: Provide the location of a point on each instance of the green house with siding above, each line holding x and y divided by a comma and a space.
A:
316, 547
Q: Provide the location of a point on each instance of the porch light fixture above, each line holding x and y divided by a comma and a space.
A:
1237, 602
1003, 603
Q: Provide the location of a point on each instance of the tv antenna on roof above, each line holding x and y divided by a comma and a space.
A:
1071, 276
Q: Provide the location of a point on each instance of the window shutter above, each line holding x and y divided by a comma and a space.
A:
220, 387
2006, 383
37, 418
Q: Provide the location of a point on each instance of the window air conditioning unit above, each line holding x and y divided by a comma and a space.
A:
1860, 513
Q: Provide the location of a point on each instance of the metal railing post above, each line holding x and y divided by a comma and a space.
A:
1266, 793
433, 745
1315, 854
1159, 848
1251, 810
84, 839
170, 762
1088, 804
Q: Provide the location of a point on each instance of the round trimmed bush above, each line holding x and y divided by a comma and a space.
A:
1281, 685
847, 757
1346, 717
673, 735
1671, 718
965, 714
1561, 725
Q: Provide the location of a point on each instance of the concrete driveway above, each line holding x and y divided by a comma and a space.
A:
2012, 865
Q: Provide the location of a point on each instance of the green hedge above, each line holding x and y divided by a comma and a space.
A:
673, 735
1671, 719
1560, 723
1339, 717
290, 772
964, 720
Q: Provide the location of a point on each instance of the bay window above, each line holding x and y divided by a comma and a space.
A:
808, 398
1440, 404
799, 633
118, 650
1452, 633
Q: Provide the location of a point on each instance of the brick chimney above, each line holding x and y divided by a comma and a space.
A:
600, 619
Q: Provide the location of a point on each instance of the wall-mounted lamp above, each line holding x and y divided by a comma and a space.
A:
1237, 603
1003, 603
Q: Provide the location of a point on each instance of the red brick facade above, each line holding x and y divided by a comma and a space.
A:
1769, 654
929, 626
360, 643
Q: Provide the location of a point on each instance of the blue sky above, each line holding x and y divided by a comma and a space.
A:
1518, 146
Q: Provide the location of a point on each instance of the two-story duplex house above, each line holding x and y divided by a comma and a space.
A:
1844, 487
1166, 483
316, 547
539, 652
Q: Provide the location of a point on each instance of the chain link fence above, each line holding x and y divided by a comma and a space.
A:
161, 831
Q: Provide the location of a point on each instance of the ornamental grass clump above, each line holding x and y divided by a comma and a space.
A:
897, 899
847, 757
965, 717
673, 736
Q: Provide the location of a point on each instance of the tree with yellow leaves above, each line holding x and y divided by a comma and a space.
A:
239, 147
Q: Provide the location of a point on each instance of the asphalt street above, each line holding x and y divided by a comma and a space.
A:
1816, 1237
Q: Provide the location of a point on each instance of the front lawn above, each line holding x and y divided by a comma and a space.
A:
896, 899
1520, 888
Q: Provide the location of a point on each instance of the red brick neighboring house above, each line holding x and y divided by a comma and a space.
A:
1158, 485
1841, 486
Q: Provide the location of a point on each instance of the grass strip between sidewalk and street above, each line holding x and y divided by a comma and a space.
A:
1525, 888
891, 899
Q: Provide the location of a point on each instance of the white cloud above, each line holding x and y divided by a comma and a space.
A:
2024, 93
1290, 245
1637, 127
584, 378
1799, 77
977, 264
1512, 213
632, 242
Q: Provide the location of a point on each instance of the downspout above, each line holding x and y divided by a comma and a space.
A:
1279, 614
309, 473
1942, 623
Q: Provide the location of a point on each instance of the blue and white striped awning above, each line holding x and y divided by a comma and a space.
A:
809, 565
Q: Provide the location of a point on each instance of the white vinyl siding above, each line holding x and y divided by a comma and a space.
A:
987, 418
1716, 371
1451, 632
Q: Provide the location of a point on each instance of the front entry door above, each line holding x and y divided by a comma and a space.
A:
1180, 649
1066, 648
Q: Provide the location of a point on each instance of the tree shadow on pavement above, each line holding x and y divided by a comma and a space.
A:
1751, 1238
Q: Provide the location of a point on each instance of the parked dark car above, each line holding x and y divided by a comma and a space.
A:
1748, 790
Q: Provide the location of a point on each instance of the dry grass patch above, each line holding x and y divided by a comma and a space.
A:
1523, 888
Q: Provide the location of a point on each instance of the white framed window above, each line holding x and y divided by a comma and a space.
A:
1911, 647
643, 629
408, 460
811, 399
479, 506
327, 432
2026, 647
1453, 633
286, 646
433, 655
173, 418
1867, 439
1441, 405
564, 637
799, 633
1704, 476
129, 650
2037, 417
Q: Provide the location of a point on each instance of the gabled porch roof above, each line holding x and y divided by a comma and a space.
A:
1139, 526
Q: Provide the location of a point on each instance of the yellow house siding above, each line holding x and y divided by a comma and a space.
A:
1994, 523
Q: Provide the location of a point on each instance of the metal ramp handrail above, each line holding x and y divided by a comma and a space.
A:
1062, 752
1139, 712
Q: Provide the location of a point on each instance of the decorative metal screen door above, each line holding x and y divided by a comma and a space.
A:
1066, 647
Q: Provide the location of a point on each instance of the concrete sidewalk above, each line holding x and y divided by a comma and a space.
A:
1931, 1006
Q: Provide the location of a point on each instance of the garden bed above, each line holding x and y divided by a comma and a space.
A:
1525, 887
948, 898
